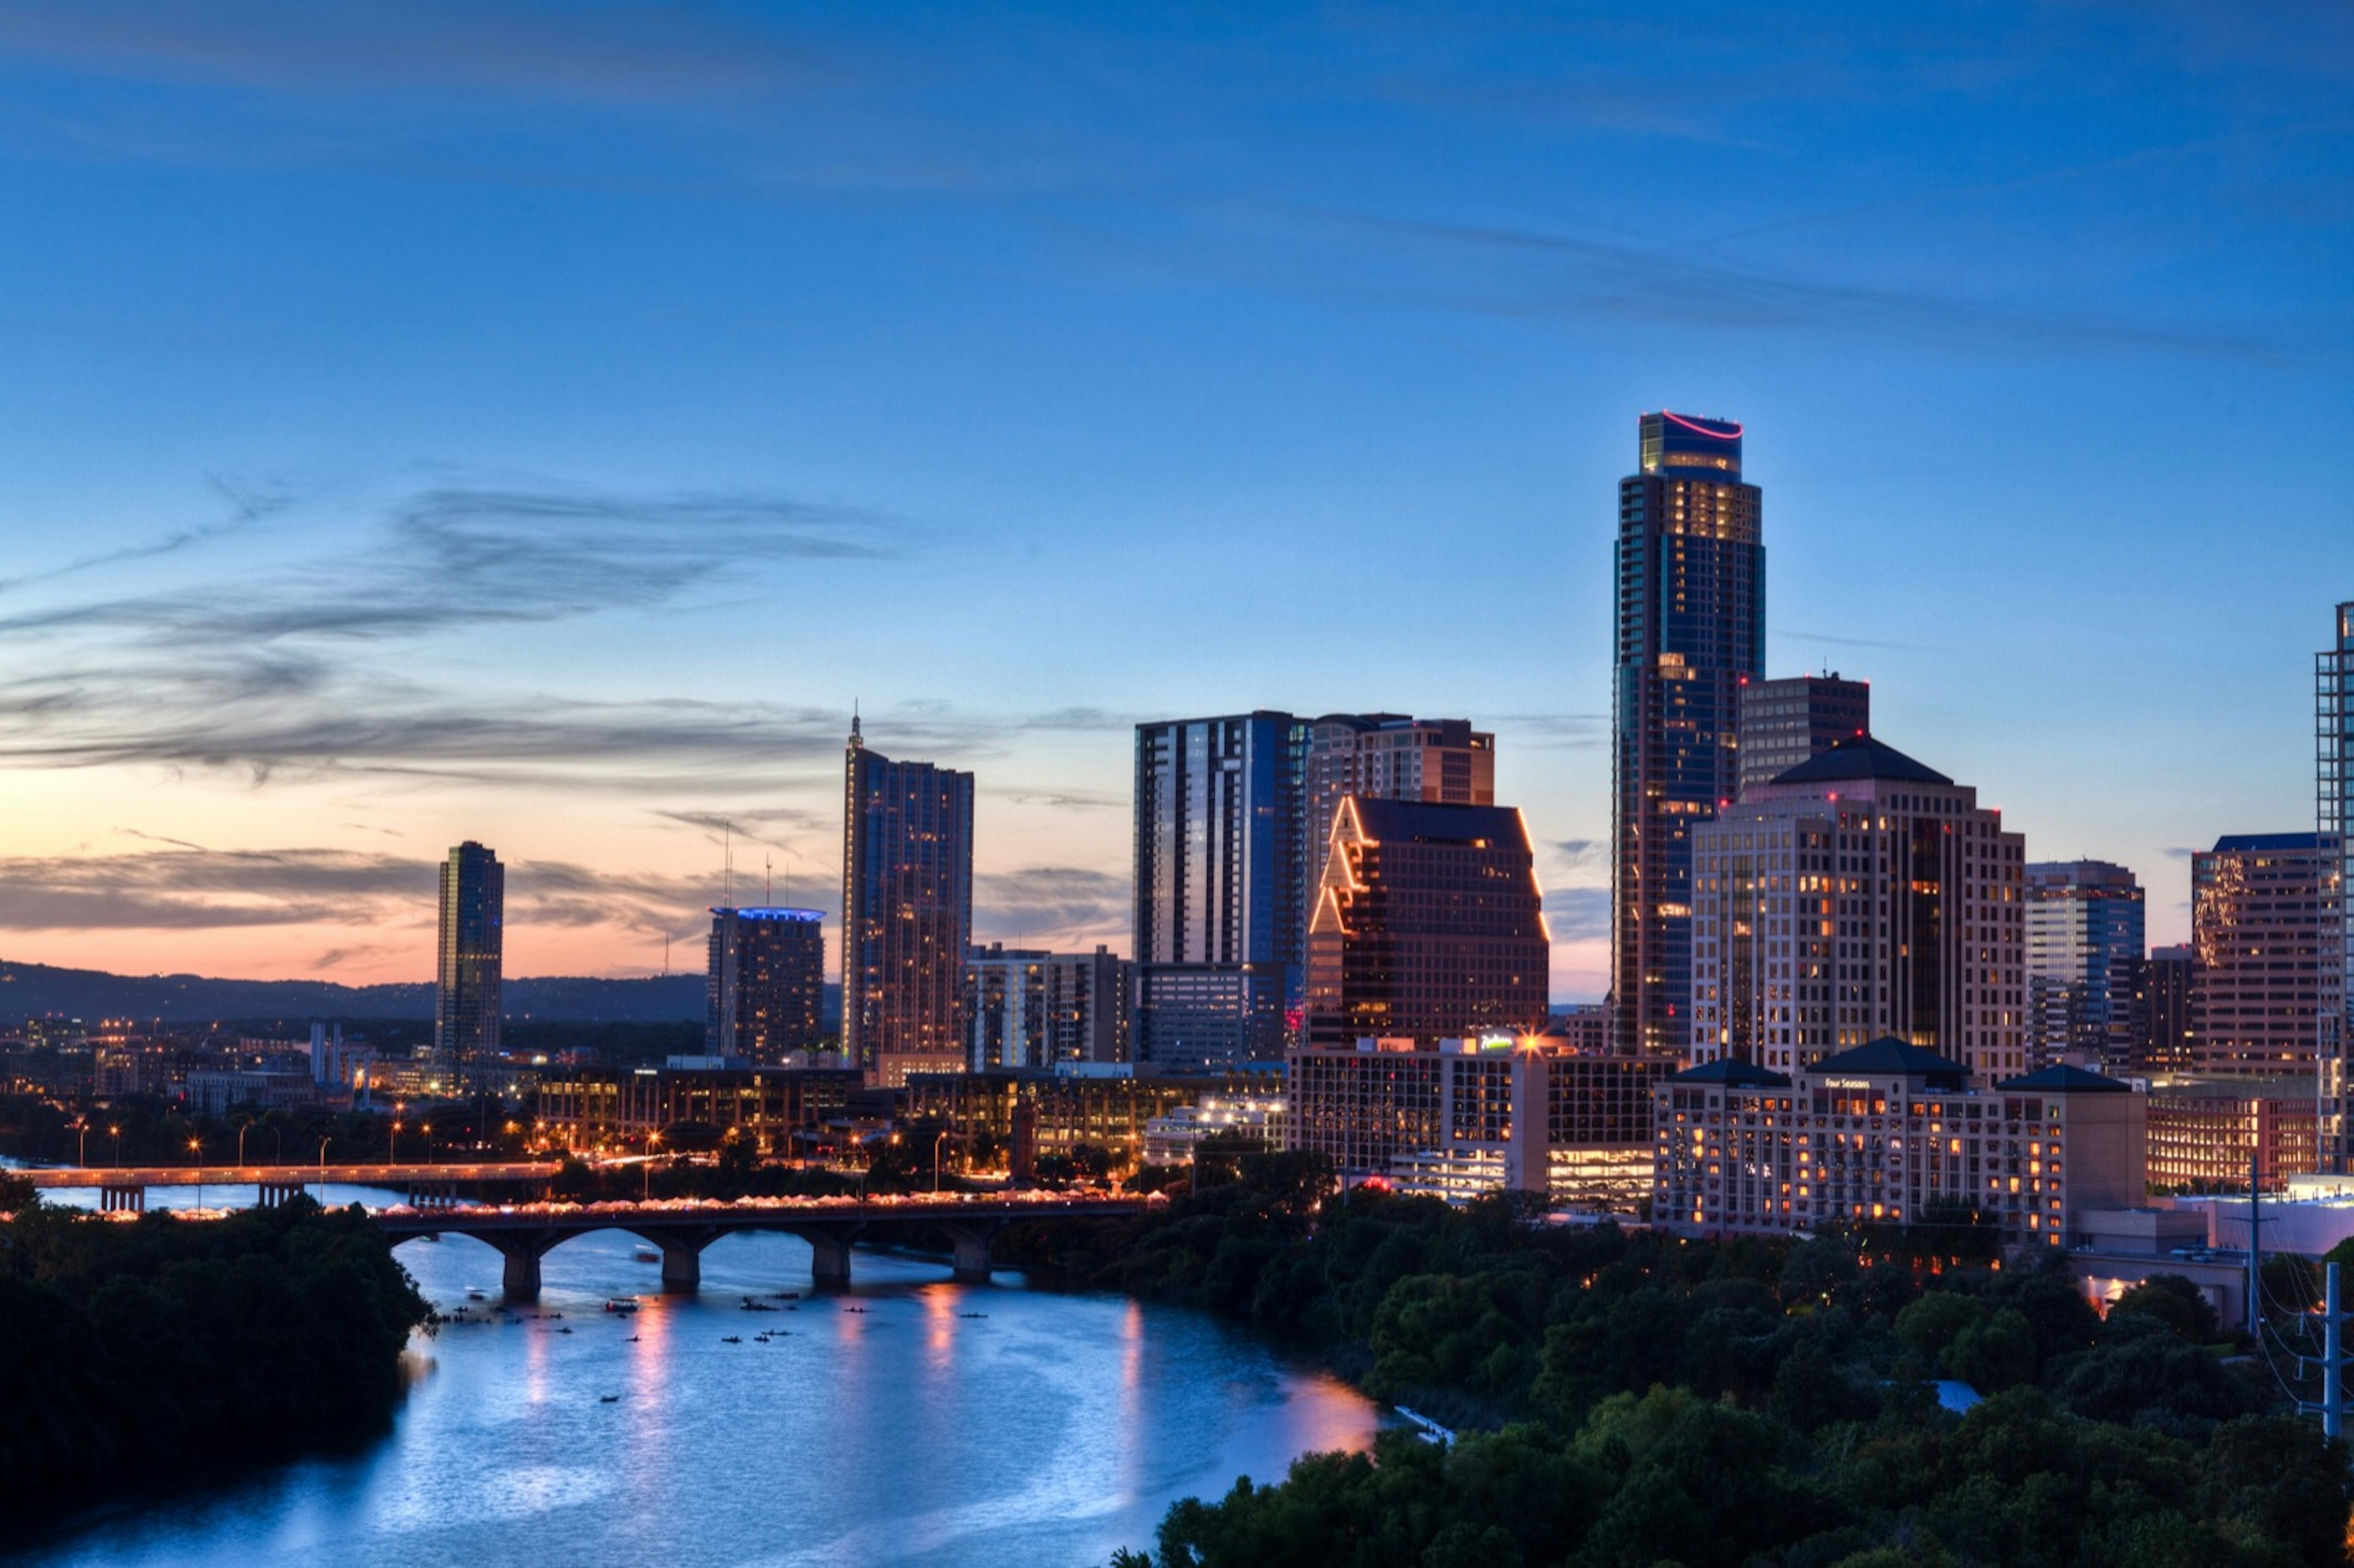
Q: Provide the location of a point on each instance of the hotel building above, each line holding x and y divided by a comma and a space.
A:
765, 986
1858, 894
1890, 1133
2084, 959
1784, 721
2266, 916
467, 1002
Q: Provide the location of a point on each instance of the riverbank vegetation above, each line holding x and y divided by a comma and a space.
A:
171, 1348
1627, 1400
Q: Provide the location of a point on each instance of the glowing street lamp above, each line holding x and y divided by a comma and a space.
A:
195, 1152
116, 1129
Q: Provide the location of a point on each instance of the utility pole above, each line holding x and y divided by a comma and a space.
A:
2333, 1360
2255, 1258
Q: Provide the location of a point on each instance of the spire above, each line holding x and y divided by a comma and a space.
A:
854, 742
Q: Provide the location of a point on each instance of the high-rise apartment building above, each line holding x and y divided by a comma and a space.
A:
466, 999
1220, 873
1860, 895
2334, 799
1692, 627
1428, 925
1784, 721
765, 987
2084, 958
2266, 919
906, 913
1026, 1007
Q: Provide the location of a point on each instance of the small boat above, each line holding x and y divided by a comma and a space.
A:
631, 1340
733, 1340
609, 1399
972, 1314
622, 1304
645, 1254
566, 1330
475, 1296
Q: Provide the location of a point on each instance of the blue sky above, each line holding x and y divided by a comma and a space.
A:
539, 423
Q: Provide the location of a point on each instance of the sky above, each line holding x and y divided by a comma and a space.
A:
540, 423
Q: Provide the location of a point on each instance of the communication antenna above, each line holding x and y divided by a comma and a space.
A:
665, 955
727, 865
767, 879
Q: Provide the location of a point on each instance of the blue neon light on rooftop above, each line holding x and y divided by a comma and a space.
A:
765, 914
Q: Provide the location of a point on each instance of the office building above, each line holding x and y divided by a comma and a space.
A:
2205, 1133
987, 1113
1031, 1008
466, 1003
1690, 579
2084, 958
1890, 1133
1858, 894
2334, 800
765, 986
1220, 873
1784, 721
1428, 923
1234, 1123
2265, 925
1455, 1119
906, 913
788, 1111
2164, 1002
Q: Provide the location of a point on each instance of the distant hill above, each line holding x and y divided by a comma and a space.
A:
37, 991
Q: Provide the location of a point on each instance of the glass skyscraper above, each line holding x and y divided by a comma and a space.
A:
1691, 628
466, 997
2084, 945
1220, 875
2334, 728
906, 913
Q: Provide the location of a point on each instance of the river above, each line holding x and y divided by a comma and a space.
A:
909, 1422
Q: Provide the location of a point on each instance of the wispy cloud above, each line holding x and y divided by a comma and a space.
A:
1578, 914
1059, 905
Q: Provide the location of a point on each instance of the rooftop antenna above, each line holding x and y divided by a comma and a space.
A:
767, 879
665, 955
727, 865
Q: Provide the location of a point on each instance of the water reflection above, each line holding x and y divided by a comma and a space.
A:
880, 1425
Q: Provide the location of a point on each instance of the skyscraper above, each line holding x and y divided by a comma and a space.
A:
1219, 805
766, 985
1858, 895
466, 1003
906, 913
1428, 926
2084, 959
2266, 919
1784, 721
2334, 729
1692, 627
1030, 1008
2166, 1010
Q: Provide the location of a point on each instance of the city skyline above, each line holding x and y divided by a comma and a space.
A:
412, 446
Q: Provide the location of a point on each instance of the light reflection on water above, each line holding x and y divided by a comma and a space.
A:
1047, 1432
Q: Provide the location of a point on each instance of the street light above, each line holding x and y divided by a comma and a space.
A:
392, 1142
654, 1141
937, 1139
322, 1167
82, 1158
196, 1151
242, 1128
116, 1129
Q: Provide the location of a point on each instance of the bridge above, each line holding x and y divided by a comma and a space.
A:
141, 1176
523, 1233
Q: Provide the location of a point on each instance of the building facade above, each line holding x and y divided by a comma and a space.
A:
2265, 923
2083, 959
1220, 874
1456, 1118
2205, 1134
467, 1002
2334, 802
1858, 894
1059, 1111
786, 1110
1783, 722
906, 913
1428, 923
765, 985
2165, 1010
1691, 575
1026, 1007
1893, 1134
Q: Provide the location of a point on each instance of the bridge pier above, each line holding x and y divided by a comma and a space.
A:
521, 1250
829, 1255
272, 1194
123, 1199
971, 1255
681, 1267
